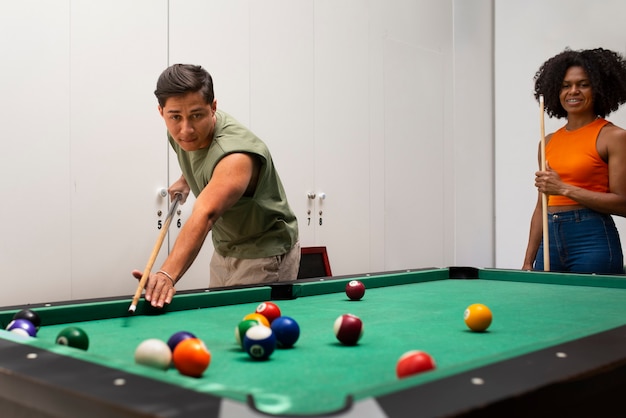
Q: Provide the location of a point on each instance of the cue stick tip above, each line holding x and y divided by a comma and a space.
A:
132, 308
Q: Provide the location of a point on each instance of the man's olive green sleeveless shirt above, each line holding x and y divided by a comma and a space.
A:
259, 226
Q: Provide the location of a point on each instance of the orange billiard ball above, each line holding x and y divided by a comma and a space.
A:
478, 317
191, 357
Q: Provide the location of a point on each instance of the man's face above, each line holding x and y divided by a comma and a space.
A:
190, 120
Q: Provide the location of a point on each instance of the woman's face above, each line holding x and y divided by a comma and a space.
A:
576, 92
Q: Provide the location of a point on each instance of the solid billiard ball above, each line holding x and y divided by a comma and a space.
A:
73, 337
355, 289
191, 357
413, 362
29, 315
262, 319
177, 337
259, 342
242, 327
269, 310
478, 317
154, 353
286, 330
22, 327
348, 329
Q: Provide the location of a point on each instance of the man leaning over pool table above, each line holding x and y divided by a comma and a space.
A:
239, 194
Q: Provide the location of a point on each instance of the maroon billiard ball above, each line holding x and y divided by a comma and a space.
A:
414, 362
348, 329
355, 290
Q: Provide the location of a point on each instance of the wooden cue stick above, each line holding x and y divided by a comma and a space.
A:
154, 254
544, 196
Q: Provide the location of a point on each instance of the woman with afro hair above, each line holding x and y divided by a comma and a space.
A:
585, 174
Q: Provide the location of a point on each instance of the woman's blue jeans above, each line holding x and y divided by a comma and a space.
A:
582, 241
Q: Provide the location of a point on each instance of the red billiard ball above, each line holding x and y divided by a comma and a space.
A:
269, 310
478, 317
191, 357
414, 362
287, 331
348, 329
355, 289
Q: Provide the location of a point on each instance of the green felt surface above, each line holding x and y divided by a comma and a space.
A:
319, 373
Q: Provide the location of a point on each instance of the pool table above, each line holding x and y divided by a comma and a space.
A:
556, 347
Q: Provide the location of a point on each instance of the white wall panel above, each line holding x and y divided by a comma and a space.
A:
473, 157
34, 161
118, 155
282, 92
342, 135
415, 186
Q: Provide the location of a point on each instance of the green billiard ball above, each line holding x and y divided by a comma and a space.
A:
240, 330
73, 337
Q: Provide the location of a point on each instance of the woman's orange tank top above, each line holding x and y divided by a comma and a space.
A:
574, 155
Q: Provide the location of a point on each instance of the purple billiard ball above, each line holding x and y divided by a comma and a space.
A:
287, 331
23, 327
177, 337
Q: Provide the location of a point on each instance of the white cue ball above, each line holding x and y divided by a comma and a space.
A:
154, 353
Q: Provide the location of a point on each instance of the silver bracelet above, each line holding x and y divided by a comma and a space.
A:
166, 274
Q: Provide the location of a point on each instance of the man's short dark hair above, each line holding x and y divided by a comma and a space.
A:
180, 79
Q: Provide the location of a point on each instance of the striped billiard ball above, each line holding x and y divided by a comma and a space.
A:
259, 342
22, 327
348, 329
242, 328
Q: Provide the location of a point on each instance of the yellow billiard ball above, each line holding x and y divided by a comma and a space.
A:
258, 317
478, 317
